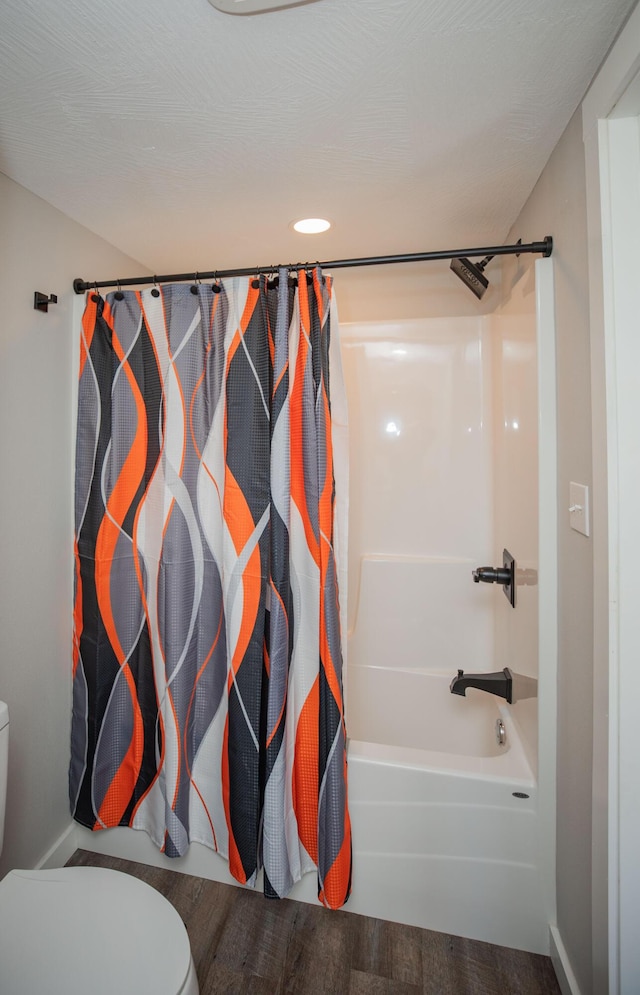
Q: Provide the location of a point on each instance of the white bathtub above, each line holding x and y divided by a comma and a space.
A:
443, 837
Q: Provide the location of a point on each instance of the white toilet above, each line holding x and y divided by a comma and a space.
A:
87, 929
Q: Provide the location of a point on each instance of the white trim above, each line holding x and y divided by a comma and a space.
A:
614, 76
548, 579
58, 854
561, 964
612, 94
622, 204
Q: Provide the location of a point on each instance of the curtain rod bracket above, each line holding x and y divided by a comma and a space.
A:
41, 302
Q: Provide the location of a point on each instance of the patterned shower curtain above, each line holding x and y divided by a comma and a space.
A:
207, 693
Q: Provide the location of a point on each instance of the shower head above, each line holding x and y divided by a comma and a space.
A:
472, 274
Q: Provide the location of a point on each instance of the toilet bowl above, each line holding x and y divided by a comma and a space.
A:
75, 930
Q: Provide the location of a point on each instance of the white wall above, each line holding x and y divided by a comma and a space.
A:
41, 249
412, 290
557, 206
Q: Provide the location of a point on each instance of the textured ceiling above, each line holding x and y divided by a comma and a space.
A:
190, 138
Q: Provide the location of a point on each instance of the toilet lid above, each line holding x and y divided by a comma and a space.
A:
88, 929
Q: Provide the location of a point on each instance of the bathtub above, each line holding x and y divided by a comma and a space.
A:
444, 817
445, 823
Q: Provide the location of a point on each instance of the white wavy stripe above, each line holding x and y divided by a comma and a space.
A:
305, 580
116, 375
205, 773
306, 633
151, 523
151, 813
177, 487
280, 457
255, 374
172, 457
237, 291
210, 487
195, 322
105, 464
211, 476
340, 443
274, 842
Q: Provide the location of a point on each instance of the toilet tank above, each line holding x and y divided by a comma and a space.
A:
4, 755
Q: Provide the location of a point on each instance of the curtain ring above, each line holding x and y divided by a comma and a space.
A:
194, 286
155, 292
119, 296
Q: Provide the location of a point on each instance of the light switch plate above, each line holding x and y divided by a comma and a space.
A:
579, 508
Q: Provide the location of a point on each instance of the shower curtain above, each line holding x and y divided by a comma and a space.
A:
207, 688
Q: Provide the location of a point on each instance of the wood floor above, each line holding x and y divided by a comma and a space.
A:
244, 943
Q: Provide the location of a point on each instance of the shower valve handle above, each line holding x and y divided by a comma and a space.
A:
492, 575
505, 575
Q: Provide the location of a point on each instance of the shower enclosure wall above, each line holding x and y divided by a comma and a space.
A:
450, 818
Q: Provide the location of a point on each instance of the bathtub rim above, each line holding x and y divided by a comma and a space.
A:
511, 765
516, 771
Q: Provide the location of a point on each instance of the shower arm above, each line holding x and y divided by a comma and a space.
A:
544, 248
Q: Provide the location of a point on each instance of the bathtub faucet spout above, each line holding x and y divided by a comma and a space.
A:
504, 683
500, 682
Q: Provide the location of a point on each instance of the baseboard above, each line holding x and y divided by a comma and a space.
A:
134, 844
561, 964
61, 850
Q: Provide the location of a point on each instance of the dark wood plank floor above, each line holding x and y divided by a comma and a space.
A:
244, 943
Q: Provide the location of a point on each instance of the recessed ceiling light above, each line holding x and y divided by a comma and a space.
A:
312, 226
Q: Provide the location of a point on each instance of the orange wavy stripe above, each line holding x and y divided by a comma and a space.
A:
305, 784
78, 619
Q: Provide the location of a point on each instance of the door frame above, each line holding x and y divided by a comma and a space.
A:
612, 159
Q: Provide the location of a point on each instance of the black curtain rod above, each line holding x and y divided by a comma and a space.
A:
545, 248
